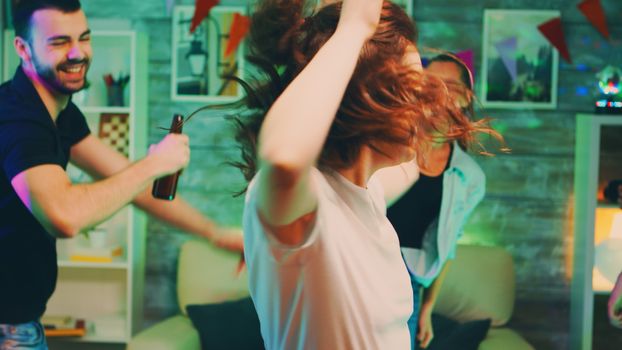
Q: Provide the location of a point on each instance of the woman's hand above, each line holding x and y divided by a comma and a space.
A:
614, 306
425, 333
361, 14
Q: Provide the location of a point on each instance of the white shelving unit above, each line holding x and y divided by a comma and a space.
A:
108, 295
592, 221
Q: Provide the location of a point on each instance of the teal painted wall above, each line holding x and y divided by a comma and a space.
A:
528, 207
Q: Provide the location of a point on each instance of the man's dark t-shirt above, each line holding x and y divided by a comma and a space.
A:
28, 138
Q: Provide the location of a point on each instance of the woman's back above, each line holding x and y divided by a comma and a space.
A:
345, 287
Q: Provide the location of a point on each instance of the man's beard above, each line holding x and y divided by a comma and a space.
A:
51, 77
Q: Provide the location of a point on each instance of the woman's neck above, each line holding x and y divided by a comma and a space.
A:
362, 170
436, 161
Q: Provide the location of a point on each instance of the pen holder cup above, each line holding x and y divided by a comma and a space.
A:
115, 95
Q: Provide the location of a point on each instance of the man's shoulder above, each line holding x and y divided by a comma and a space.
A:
10, 102
14, 108
6, 95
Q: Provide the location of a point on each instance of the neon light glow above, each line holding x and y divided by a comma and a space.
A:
609, 80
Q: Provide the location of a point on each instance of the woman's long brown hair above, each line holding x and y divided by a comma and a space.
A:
386, 101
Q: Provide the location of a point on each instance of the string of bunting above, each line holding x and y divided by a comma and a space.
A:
239, 25
202, 9
239, 28
553, 31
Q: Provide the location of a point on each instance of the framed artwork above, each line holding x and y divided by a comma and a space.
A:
519, 65
199, 60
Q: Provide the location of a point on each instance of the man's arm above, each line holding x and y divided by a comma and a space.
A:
177, 212
64, 209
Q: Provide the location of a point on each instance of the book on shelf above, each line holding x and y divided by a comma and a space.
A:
64, 326
105, 254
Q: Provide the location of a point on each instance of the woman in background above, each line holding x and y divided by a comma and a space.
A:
430, 216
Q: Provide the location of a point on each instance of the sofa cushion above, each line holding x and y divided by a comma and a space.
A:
504, 338
451, 335
228, 325
174, 333
207, 274
478, 285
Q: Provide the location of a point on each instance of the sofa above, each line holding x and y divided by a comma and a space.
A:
479, 285
205, 274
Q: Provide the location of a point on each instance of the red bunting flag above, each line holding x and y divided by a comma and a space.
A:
201, 10
467, 57
239, 28
593, 11
552, 30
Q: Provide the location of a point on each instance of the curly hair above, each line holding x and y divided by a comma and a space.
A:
386, 101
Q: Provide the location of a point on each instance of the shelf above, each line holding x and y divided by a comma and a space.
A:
111, 329
597, 241
116, 265
94, 338
106, 294
104, 109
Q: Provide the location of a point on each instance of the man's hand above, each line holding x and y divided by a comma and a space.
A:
171, 154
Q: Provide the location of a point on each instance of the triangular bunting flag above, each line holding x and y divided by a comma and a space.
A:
467, 57
239, 28
593, 11
552, 30
507, 51
201, 10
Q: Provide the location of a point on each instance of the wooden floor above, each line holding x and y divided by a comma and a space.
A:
545, 325
606, 337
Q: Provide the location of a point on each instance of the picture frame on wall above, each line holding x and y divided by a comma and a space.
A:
519, 65
199, 61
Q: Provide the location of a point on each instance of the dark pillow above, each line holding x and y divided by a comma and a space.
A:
231, 325
451, 335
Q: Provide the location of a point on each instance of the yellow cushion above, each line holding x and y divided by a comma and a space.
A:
479, 285
206, 274
174, 333
504, 338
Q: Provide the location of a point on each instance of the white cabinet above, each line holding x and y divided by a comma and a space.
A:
597, 240
107, 294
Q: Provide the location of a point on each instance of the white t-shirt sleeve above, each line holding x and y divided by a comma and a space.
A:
261, 239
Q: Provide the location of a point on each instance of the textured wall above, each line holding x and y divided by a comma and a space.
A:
528, 207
